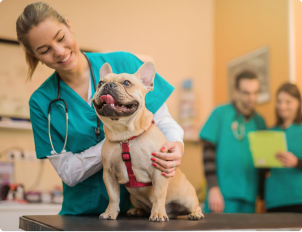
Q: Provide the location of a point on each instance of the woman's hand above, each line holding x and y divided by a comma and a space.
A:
165, 161
287, 158
216, 201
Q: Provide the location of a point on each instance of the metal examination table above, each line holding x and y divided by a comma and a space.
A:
211, 222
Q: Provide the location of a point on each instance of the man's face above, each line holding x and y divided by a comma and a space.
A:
247, 93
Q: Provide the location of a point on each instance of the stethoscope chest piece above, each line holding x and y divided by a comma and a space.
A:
234, 127
53, 152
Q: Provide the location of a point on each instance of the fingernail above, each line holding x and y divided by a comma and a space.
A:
154, 164
153, 159
153, 154
163, 174
163, 149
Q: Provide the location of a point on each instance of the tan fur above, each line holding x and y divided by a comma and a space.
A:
176, 195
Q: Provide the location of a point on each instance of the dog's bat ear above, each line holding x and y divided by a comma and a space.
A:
105, 69
146, 74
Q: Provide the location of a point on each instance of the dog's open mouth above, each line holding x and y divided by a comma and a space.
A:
108, 106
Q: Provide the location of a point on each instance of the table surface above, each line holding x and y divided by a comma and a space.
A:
123, 222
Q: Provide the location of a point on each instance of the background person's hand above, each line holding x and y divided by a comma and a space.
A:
260, 205
215, 200
287, 158
164, 161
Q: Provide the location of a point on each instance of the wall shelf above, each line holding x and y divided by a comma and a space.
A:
16, 125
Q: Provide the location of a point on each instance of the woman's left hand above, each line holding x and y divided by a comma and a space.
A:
165, 161
287, 158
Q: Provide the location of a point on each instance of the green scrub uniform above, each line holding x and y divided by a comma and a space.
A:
236, 174
89, 196
284, 185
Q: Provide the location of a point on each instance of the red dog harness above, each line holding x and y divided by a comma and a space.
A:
133, 183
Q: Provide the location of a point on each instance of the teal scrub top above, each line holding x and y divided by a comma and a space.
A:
89, 196
236, 174
284, 185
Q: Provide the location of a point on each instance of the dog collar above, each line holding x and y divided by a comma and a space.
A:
133, 183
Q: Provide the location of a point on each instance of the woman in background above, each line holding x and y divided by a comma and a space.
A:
283, 188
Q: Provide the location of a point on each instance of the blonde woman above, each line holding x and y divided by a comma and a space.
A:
48, 38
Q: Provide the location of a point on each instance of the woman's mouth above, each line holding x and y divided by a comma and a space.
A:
66, 59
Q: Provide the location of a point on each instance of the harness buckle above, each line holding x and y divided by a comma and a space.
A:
126, 156
126, 141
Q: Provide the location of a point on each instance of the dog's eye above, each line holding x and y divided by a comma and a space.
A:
100, 84
126, 83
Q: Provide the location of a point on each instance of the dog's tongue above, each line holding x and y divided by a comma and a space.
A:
107, 98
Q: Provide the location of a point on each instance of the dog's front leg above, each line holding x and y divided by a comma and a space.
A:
113, 190
158, 198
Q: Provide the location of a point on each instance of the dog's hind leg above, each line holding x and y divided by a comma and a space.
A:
140, 209
192, 205
196, 215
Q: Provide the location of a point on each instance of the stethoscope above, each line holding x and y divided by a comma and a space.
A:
97, 130
237, 125
234, 127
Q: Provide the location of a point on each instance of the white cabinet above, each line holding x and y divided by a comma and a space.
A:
10, 213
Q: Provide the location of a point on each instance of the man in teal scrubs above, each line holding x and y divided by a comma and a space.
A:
231, 176
89, 196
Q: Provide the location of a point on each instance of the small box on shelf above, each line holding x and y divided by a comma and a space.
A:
12, 123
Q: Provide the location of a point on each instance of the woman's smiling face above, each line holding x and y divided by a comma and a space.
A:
287, 105
53, 44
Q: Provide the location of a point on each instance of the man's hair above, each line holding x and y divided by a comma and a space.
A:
247, 74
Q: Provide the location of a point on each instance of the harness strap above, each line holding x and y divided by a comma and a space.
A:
133, 183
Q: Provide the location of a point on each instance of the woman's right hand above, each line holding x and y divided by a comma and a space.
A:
288, 159
216, 201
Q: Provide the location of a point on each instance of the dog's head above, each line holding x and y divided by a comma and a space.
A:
123, 95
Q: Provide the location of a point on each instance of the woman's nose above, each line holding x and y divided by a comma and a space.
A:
281, 108
58, 51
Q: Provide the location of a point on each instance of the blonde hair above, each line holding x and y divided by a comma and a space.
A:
32, 15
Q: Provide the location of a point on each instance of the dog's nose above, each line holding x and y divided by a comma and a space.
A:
109, 85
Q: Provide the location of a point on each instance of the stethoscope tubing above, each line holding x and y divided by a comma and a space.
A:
97, 130
235, 125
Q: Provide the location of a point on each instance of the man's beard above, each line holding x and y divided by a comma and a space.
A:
247, 107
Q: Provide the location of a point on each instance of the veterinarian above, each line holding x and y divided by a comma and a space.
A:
283, 187
232, 180
48, 38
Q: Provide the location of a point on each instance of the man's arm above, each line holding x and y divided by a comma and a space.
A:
209, 159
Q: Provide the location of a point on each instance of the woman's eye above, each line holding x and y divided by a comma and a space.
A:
61, 38
127, 83
45, 51
100, 84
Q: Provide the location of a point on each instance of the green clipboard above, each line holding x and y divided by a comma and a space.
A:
264, 145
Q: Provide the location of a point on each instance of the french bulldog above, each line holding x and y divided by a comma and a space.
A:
119, 102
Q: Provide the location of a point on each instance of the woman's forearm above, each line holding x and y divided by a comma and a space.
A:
75, 168
168, 126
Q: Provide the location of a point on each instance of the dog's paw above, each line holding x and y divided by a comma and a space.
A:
135, 212
196, 215
158, 217
108, 216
